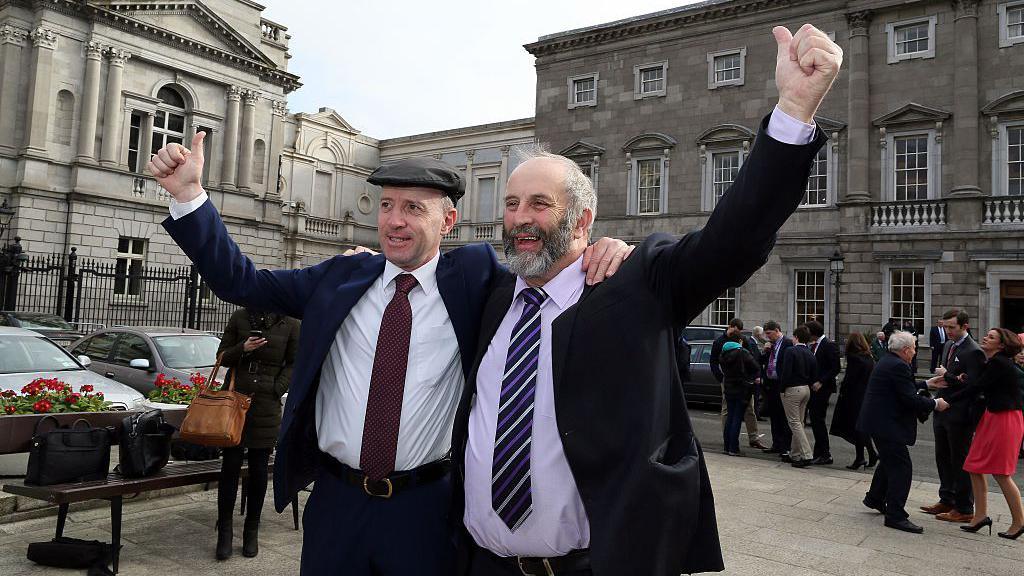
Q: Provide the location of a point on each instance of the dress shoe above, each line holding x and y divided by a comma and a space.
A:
905, 525
785, 458
986, 521
802, 463
938, 508
822, 460
856, 465
872, 460
880, 508
954, 516
759, 445
1012, 535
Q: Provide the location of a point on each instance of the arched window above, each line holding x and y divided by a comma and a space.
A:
64, 117
259, 161
169, 120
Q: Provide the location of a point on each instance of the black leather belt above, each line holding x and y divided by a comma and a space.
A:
574, 561
393, 483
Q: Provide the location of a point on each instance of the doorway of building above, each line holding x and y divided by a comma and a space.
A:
1011, 305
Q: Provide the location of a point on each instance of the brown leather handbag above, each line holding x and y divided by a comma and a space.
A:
216, 417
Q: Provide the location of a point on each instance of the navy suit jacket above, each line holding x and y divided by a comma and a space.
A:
321, 296
891, 403
936, 340
827, 357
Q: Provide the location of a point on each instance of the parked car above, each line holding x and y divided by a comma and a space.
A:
26, 355
50, 325
135, 355
702, 386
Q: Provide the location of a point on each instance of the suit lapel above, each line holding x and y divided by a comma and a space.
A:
451, 283
497, 306
561, 335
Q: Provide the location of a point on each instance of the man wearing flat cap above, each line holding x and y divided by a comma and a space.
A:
380, 366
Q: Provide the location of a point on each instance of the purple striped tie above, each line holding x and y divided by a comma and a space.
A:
510, 470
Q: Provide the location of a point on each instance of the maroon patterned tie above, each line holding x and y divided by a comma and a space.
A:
387, 384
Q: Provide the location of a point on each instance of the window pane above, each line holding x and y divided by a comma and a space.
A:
1015, 156
99, 346
911, 172
583, 90
725, 167
122, 245
160, 119
809, 295
648, 186
817, 182
132, 347
723, 308
912, 38
175, 123
908, 293
171, 97
727, 67
485, 188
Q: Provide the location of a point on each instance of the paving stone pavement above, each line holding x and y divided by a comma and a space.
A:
773, 520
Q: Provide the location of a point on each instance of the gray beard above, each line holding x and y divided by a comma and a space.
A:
554, 245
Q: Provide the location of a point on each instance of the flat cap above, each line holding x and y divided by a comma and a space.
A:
421, 172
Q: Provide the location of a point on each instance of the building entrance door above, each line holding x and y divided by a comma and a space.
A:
1011, 305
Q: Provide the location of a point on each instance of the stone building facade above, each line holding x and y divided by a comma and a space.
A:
89, 89
919, 188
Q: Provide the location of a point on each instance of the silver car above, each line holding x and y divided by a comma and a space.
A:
26, 355
137, 355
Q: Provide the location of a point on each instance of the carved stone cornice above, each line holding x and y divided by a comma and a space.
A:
859, 22
279, 108
117, 56
44, 38
250, 97
966, 8
233, 93
93, 50
13, 35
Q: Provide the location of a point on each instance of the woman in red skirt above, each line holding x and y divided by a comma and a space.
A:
998, 437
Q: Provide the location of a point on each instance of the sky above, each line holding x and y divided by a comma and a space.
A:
401, 67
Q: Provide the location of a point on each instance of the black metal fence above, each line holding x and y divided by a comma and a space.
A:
94, 293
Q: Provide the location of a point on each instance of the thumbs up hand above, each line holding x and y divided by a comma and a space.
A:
179, 170
806, 65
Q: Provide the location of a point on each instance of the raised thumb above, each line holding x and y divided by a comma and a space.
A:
783, 37
197, 146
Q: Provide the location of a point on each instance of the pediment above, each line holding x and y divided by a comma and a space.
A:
649, 141
725, 133
581, 148
828, 125
328, 118
912, 114
1012, 103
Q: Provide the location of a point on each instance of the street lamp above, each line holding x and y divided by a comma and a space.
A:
836, 264
6, 215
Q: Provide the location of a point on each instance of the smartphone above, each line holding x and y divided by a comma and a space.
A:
255, 333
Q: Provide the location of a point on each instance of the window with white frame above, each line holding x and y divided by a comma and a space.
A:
809, 295
322, 182
582, 90
485, 199
723, 309
910, 168
817, 182
131, 257
726, 68
649, 79
169, 120
911, 39
725, 167
1011, 23
907, 296
648, 185
134, 142
1015, 160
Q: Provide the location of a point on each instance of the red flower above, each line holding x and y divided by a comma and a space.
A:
42, 406
87, 388
10, 409
99, 394
8, 393
74, 398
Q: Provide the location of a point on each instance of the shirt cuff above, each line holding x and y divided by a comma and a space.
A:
789, 130
181, 209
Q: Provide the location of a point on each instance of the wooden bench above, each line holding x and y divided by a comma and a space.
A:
115, 487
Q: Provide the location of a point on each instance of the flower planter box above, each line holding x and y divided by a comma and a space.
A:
16, 431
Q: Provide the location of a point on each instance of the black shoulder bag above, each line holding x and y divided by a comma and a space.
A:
68, 454
145, 444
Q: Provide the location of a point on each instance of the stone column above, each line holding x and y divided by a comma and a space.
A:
39, 97
13, 40
279, 109
859, 106
112, 106
145, 139
90, 104
230, 167
470, 200
249, 99
965, 100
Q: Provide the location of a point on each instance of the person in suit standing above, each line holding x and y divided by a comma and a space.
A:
559, 478
378, 371
936, 341
799, 371
826, 356
879, 346
954, 428
771, 361
734, 333
889, 417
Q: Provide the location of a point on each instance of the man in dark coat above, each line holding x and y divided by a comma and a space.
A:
936, 341
826, 356
772, 363
889, 417
559, 478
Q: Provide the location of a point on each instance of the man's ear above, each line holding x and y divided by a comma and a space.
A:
583, 226
450, 218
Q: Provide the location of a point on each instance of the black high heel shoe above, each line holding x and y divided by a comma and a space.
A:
1013, 536
872, 460
857, 465
976, 527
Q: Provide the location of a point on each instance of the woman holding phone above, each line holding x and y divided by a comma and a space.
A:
259, 349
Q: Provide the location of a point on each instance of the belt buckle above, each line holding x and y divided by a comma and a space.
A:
548, 571
386, 481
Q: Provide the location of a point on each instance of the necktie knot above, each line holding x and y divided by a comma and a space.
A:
534, 297
404, 283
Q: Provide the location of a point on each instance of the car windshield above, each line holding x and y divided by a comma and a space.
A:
33, 321
33, 354
187, 350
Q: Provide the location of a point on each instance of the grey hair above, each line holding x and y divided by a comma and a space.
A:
578, 187
900, 340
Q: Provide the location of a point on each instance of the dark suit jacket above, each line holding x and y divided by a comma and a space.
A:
619, 404
321, 296
891, 403
827, 357
772, 384
935, 338
968, 359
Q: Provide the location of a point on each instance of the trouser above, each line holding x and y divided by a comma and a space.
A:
952, 442
256, 483
818, 408
890, 484
860, 445
749, 418
936, 356
794, 402
346, 532
737, 406
781, 434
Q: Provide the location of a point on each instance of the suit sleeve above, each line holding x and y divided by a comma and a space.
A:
232, 276
284, 377
906, 391
690, 273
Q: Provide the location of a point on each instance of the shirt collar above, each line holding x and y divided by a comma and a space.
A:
425, 275
819, 340
960, 340
563, 286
